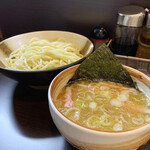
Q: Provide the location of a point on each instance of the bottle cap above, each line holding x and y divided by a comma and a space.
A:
131, 15
99, 33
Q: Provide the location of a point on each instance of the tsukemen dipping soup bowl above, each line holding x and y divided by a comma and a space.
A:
40, 77
86, 138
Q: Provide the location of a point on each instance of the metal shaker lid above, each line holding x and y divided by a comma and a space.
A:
131, 15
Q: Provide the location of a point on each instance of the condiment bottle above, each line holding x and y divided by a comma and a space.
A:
99, 35
144, 40
130, 20
1, 36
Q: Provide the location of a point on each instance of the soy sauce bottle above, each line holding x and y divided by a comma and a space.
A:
129, 22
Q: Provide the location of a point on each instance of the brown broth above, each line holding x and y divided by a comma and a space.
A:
104, 106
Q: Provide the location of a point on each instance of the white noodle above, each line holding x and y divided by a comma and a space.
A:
43, 54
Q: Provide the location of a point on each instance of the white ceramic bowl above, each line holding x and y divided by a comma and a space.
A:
40, 77
84, 138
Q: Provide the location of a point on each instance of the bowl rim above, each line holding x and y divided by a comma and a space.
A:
44, 70
140, 128
51, 69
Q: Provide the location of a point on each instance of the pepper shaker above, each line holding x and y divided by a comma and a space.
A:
99, 35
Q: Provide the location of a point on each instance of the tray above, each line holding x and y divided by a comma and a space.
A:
140, 64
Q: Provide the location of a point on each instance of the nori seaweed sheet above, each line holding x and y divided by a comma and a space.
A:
102, 64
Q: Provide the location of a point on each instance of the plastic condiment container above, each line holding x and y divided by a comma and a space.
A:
130, 20
143, 50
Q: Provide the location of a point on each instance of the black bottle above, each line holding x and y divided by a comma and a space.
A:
99, 35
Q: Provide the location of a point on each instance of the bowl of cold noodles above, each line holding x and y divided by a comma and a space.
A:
35, 58
94, 113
